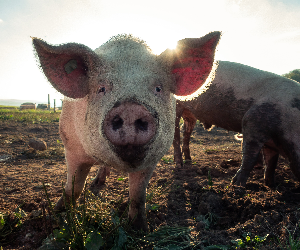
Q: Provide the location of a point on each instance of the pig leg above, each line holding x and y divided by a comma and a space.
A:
138, 182
294, 165
80, 175
189, 124
251, 152
271, 159
78, 163
99, 180
260, 160
79, 168
294, 157
176, 142
256, 126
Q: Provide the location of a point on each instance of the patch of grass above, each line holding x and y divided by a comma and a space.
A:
10, 223
95, 224
168, 238
30, 115
156, 191
209, 220
91, 225
249, 242
293, 244
168, 159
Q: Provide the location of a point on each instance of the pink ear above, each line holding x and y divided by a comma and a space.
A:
193, 62
67, 66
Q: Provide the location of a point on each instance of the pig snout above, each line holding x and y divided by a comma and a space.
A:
130, 127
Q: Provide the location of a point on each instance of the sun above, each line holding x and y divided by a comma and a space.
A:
158, 47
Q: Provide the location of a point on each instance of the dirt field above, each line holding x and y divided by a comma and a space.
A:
199, 196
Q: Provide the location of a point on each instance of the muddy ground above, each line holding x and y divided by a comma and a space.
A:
199, 195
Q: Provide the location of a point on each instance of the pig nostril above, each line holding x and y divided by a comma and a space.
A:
117, 122
140, 125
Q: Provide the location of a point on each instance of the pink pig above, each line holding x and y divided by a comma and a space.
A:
119, 107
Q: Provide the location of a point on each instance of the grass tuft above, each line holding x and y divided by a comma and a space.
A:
32, 116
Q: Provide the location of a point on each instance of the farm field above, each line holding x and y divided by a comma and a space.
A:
197, 196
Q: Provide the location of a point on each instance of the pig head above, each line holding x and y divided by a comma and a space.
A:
119, 106
263, 106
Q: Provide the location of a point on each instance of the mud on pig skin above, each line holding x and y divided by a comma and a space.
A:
263, 106
119, 107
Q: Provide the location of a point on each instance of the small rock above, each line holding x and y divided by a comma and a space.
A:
38, 144
29, 235
4, 158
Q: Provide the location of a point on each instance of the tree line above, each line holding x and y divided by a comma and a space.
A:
294, 75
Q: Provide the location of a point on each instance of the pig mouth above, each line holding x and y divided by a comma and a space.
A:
132, 154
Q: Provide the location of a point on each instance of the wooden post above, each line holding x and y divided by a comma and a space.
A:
54, 105
48, 102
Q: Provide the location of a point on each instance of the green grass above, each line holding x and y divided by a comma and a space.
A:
29, 115
97, 224
168, 159
10, 223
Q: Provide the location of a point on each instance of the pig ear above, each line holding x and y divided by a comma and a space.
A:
191, 62
67, 66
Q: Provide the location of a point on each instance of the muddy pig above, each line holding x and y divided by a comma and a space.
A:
263, 106
119, 107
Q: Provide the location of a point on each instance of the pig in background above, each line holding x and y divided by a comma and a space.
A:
263, 106
119, 108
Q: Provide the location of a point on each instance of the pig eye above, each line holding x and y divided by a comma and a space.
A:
101, 89
158, 89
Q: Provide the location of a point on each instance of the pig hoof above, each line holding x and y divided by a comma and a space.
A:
270, 183
140, 226
97, 185
179, 165
238, 180
188, 161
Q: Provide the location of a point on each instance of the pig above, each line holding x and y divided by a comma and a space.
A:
263, 106
119, 107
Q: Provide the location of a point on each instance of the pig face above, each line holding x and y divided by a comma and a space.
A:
134, 106
127, 93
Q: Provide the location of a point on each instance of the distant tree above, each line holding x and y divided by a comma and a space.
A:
294, 75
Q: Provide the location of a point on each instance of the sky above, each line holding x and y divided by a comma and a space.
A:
264, 34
